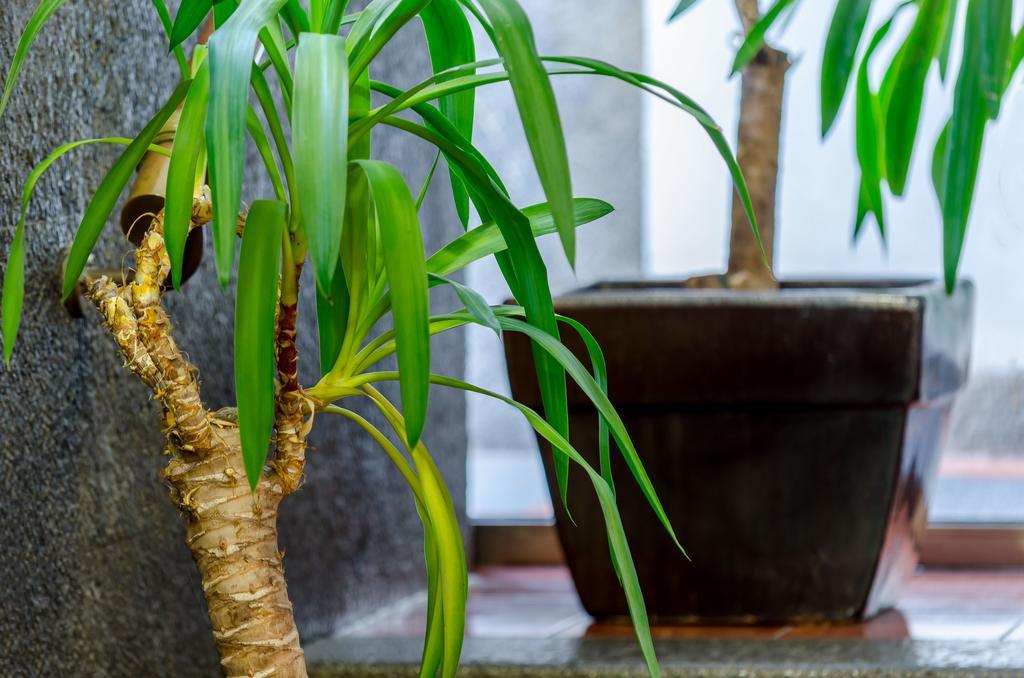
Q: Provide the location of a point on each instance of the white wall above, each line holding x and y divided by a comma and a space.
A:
687, 191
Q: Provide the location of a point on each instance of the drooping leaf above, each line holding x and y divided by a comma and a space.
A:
319, 141
375, 27
295, 16
870, 136
473, 301
231, 61
613, 522
258, 271
681, 8
182, 170
272, 39
902, 108
106, 196
450, 42
485, 240
14, 275
262, 143
754, 40
332, 310
538, 111
39, 17
596, 395
972, 107
165, 21
405, 263
837, 61
522, 266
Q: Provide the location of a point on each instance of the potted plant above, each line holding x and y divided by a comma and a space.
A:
355, 219
794, 428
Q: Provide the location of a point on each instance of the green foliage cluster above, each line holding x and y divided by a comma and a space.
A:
888, 116
355, 219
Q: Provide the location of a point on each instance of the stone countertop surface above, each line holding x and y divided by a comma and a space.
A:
696, 658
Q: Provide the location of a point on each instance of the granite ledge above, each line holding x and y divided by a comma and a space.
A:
712, 658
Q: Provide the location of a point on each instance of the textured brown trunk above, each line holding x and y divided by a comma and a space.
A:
759, 129
760, 125
231, 531
232, 534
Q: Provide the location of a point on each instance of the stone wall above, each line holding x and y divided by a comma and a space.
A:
96, 580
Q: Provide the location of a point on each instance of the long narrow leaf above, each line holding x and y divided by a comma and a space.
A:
754, 40
319, 134
376, 25
254, 331
844, 36
524, 271
405, 262
450, 42
903, 107
486, 239
231, 60
332, 309
106, 196
971, 111
14, 275
39, 17
606, 499
13, 295
681, 8
182, 169
475, 304
538, 111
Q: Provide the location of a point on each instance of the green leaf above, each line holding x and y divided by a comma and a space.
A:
553, 347
453, 577
332, 311
606, 499
446, 536
376, 25
165, 21
538, 110
231, 66
262, 143
681, 8
450, 42
258, 272
295, 17
522, 266
319, 141
14, 275
996, 55
972, 107
903, 108
946, 46
187, 20
39, 17
486, 239
837, 62
325, 15
406, 268
474, 302
106, 196
754, 40
183, 170
272, 39
14, 290
870, 137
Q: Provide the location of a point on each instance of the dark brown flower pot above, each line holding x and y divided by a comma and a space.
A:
793, 437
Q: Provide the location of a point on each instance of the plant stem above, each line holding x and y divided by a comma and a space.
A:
231, 531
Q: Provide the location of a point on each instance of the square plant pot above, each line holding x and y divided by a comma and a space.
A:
793, 437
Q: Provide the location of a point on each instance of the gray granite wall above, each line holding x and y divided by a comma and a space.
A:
94, 577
